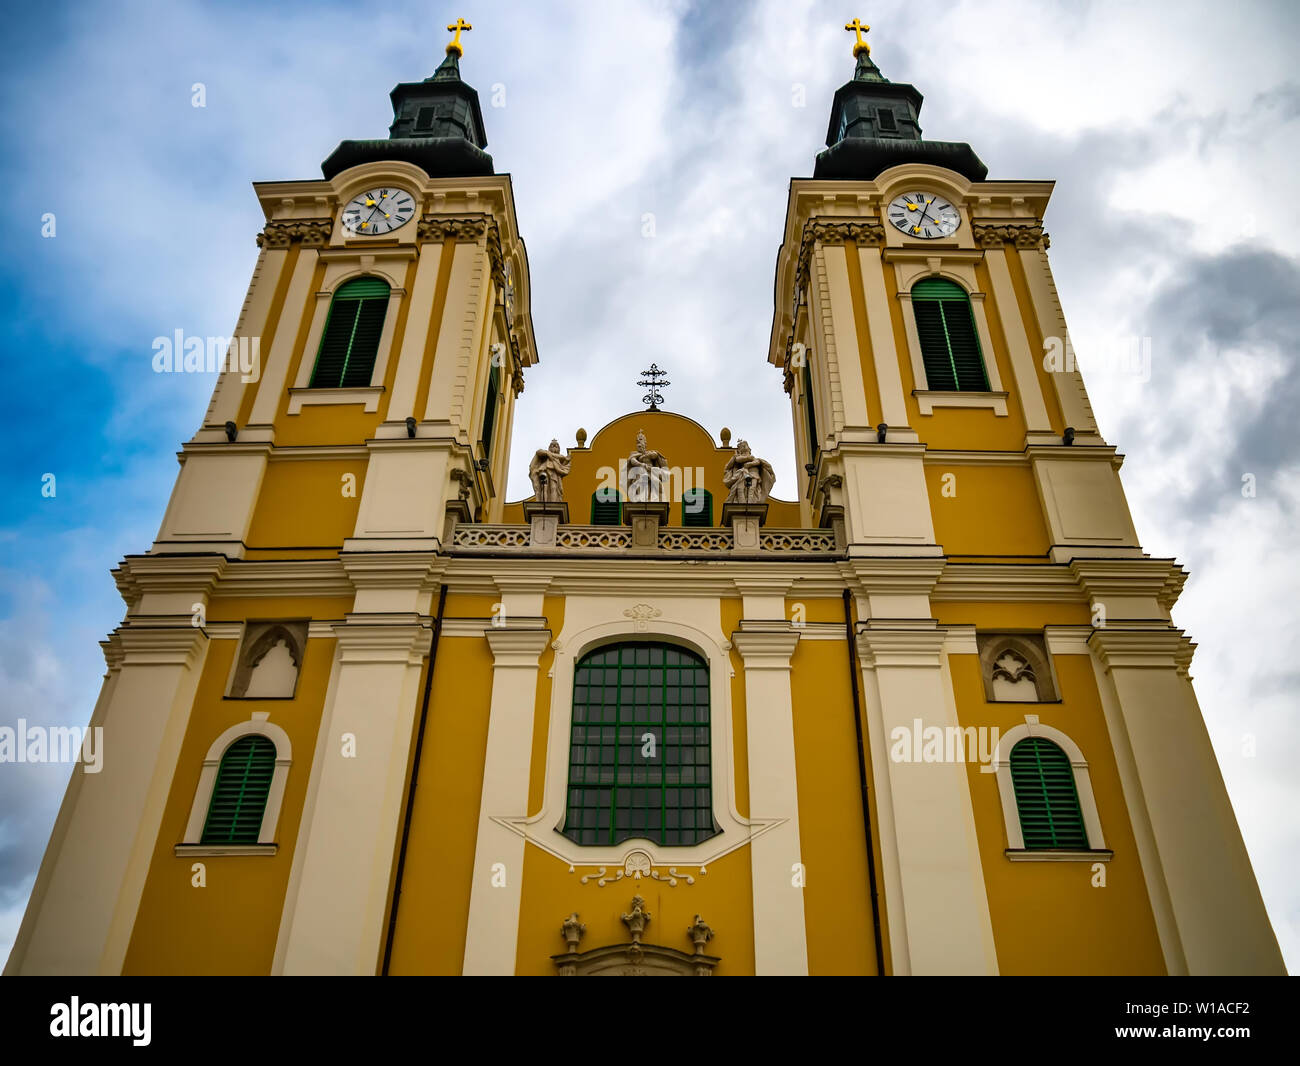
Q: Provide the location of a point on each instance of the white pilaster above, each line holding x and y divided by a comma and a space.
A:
493, 933
780, 936
340, 882
1198, 867
87, 893
938, 910
1023, 357
276, 372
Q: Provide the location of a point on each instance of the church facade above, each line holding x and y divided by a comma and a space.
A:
928, 715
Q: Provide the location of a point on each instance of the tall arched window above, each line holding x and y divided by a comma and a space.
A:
697, 507
639, 755
950, 347
606, 507
1046, 797
351, 342
240, 793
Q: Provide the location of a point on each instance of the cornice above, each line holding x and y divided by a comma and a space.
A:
1162, 579
1159, 648
156, 645
885, 643
768, 649
516, 647
398, 641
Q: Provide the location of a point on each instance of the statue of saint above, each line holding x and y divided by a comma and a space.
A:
547, 471
748, 478
647, 473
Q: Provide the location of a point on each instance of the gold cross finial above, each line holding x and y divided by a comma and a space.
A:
454, 44
860, 46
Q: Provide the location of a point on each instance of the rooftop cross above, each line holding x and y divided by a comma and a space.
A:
651, 379
860, 46
454, 44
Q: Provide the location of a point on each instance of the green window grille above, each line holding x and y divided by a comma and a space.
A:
1043, 779
351, 343
950, 348
639, 755
697, 507
606, 508
809, 412
239, 796
490, 409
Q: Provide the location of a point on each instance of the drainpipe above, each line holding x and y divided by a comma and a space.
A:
415, 776
862, 782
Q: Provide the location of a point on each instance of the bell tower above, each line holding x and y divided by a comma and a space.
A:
944, 432
365, 409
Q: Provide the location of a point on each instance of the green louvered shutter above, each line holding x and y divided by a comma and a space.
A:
239, 797
810, 413
697, 507
606, 508
950, 348
1046, 798
351, 343
490, 410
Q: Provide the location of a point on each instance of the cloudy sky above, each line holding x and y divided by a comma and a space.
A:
1170, 128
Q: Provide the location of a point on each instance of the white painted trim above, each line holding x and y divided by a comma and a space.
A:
1082, 781
928, 400
305, 397
258, 725
182, 851
686, 622
1101, 855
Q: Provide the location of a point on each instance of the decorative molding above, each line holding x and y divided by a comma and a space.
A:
212, 850
637, 865
1021, 234
634, 959
484, 536
928, 399
362, 394
311, 232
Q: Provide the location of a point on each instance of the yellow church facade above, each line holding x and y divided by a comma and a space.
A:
927, 714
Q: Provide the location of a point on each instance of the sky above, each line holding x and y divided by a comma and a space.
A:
1169, 128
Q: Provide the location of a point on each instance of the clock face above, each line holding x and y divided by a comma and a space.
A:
923, 214
379, 210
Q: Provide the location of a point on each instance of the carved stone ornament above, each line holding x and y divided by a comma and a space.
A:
456, 228
637, 865
312, 232
642, 612
635, 959
1021, 234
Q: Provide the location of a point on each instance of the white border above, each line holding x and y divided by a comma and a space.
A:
1082, 783
258, 725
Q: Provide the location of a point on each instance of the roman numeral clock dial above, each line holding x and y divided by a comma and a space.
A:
378, 211
924, 215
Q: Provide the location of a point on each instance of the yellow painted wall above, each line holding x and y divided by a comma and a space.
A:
837, 897
231, 925
721, 897
684, 443
301, 503
1048, 918
987, 511
433, 913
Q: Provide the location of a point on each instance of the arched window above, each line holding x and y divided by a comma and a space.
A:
606, 507
639, 755
240, 793
697, 507
490, 410
351, 342
1046, 798
950, 347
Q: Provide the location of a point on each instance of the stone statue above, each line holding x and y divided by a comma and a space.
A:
748, 478
547, 472
647, 473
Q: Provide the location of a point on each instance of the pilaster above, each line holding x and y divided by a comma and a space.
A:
780, 937
493, 932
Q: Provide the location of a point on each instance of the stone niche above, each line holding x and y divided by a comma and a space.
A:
269, 660
1016, 668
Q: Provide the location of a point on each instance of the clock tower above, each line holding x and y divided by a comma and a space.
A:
390, 303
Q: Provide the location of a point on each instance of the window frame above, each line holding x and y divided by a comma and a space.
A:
1016, 850
636, 715
707, 510
258, 725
